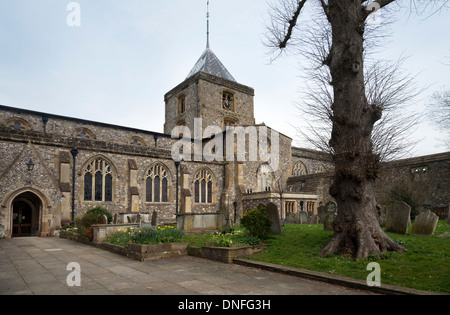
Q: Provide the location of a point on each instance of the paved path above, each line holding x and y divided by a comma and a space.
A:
38, 266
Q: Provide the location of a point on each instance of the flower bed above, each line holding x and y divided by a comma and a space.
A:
146, 243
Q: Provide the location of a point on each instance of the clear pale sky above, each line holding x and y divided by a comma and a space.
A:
118, 64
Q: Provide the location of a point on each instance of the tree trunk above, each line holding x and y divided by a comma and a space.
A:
357, 232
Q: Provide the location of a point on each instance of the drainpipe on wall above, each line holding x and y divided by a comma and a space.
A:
74, 153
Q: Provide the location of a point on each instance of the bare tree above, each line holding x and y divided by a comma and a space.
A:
439, 114
334, 42
387, 87
279, 186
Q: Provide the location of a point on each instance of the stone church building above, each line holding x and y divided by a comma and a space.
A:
55, 168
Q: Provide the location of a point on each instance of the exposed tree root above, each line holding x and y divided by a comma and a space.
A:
360, 242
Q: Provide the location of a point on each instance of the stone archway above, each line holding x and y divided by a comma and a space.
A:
26, 210
23, 213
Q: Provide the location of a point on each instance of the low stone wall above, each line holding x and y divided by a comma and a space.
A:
225, 254
74, 237
147, 252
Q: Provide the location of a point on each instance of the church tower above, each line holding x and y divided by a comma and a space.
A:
211, 93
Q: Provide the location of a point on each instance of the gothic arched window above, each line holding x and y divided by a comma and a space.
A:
98, 184
203, 187
157, 184
299, 169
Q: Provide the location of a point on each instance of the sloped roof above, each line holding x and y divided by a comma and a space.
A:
209, 63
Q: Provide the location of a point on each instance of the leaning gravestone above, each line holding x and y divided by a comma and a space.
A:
425, 224
328, 222
398, 217
272, 212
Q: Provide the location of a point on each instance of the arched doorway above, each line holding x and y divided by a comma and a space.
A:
26, 211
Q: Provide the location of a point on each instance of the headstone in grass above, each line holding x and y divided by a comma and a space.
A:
303, 217
272, 212
331, 206
297, 218
425, 223
314, 219
328, 222
382, 217
322, 212
398, 217
290, 218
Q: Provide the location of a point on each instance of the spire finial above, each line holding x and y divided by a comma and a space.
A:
207, 24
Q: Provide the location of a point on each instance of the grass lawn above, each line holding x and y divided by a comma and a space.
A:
425, 265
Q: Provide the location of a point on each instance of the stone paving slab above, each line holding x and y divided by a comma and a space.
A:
38, 266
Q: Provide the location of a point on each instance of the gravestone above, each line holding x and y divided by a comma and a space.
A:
328, 222
104, 219
322, 212
154, 218
303, 217
115, 219
297, 218
398, 217
331, 206
290, 218
272, 212
425, 224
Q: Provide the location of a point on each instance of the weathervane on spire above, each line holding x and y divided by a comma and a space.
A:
207, 24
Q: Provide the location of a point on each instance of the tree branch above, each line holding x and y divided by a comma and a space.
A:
325, 9
292, 24
376, 5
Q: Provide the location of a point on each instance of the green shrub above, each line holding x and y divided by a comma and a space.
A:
100, 211
92, 216
257, 223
